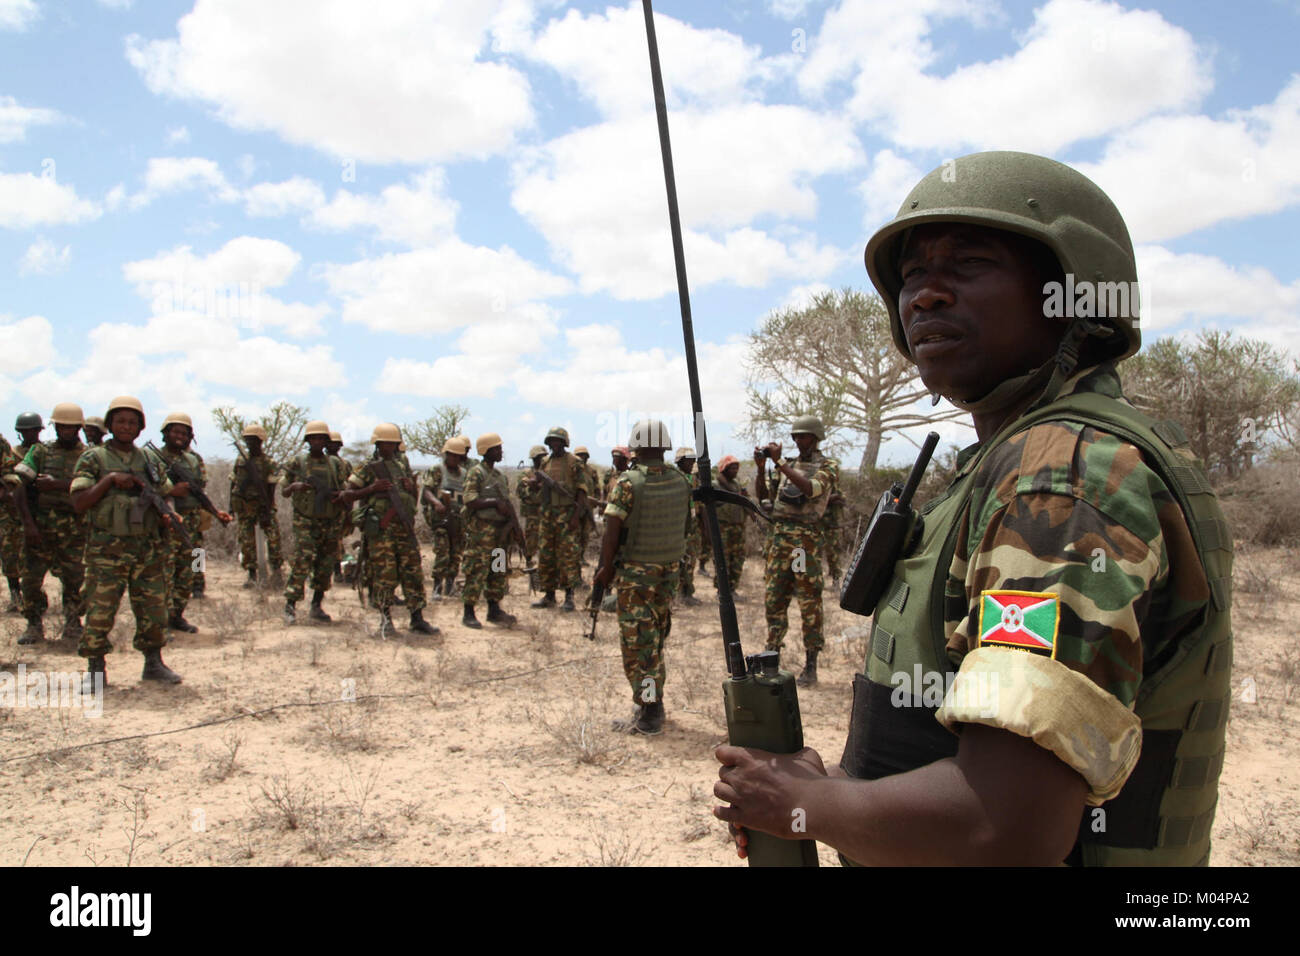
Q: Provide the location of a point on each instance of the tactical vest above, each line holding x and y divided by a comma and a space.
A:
729, 514
802, 509
60, 464
190, 462
378, 503
304, 502
564, 472
655, 530
1162, 816
120, 512
454, 485
493, 485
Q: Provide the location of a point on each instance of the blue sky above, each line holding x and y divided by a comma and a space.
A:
374, 209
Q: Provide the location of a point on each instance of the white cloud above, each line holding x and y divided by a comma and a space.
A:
1175, 174
17, 14
15, 119
297, 194
891, 178
443, 287
1083, 69
390, 82
116, 4
789, 9
170, 174
44, 258
27, 200
180, 134
25, 343
417, 214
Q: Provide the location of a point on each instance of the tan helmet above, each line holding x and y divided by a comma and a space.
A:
582, 450
537, 451
808, 425
94, 421
558, 432
386, 432
254, 431
178, 418
124, 401
486, 441
316, 428
649, 433
336, 437
684, 453
452, 446
66, 413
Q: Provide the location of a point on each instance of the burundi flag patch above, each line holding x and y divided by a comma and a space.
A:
1025, 620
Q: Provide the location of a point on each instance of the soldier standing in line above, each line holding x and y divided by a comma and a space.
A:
315, 482
333, 448
685, 460
564, 499
55, 535
177, 434
392, 553
94, 431
645, 525
802, 488
830, 531
12, 544
487, 503
530, 502
595, 482
441, 499
731, 522
125, 495
252, 500
199, 587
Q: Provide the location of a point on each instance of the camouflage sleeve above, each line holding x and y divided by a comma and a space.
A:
361, 478
620, 498
432, 479
827, 478
1066, 559
203, 469
15, 472
473, 487
291, 472
85, 473
582, 480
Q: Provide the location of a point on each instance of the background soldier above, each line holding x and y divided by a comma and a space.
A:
530, 502
802, 487
252, 500
595, 482
564, 499
124, 493
11, 528
645, 536
392, 554
94, 431
345, 514
621, 459
731, 522
314, 481
489, 528
685, 459
442, 500
830, 530
55, 535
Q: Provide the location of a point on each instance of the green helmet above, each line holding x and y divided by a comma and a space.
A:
808, 425
1035, 197
28, 420
558, 432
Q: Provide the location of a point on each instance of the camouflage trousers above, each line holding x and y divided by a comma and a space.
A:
733, 547
315, 552
644, 623
448, 548
532, 528
831, 549
179, 573
114, 565
246, 532
686, 573
485, 562
11, 542
394, 560
62, 553
794, 569
557, 551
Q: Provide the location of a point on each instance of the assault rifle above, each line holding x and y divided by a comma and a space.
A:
397, 505
597, 596
550, 484
760, 700
179, 474
149, 498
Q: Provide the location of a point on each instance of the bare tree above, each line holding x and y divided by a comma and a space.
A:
283, 422
427, 436
835, 359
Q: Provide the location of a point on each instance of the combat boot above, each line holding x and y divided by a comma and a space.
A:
35, 632
469, 619
317, 613
568, 604
94, 665
546, 600
651, 721
628, 726
809, 675
497, 616
251, 581
155, 669
72, 629
290, 613
15, 601
177, 622
419, 625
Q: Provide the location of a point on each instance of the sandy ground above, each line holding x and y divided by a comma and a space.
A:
486, 747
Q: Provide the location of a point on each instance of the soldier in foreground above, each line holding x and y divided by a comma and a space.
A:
314, 481
124, 495
645, 539
685, 461
1073, 582
388, 530
529, 491
802, 486
731, 521
442, 500
252, 500
564, 499
490, 523
55, 535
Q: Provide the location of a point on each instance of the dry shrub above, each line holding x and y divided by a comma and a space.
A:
581, 730
1263, 505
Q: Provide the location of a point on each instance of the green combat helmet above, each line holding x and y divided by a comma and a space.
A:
558, 432
1035, 197
28, 420
808, 425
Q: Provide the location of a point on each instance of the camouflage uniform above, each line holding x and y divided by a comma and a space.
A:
392, 557
731, 524
345, 514
180, 573
645, 593
250, 513
558, 554
694, 544
11, 528
830, 530
316, 523
486, 530
122, 553
594, 484
449, 529
63, 532
530, 512
794, 564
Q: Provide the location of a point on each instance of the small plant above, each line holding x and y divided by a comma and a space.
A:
617, 849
